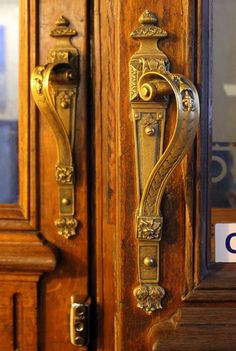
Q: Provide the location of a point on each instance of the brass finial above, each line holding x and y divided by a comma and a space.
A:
148, 17
149, 27
63, 28
62, 21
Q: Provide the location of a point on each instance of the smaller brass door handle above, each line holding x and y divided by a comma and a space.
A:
151, 84
55, 88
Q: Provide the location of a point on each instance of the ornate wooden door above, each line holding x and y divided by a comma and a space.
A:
97, 259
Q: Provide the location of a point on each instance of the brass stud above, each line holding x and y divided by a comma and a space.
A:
71, 75
65, 201
149, 261
149, 130
64, 104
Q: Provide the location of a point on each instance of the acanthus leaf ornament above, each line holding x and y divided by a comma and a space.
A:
149, 297
151, 84
55, 89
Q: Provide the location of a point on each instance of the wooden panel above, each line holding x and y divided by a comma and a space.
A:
18, 313
25, 253
23, 259
199, 328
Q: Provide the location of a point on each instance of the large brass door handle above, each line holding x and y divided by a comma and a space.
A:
55, 87
151, 84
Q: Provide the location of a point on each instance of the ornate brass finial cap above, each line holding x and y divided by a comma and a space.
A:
62, 21
149, 27
148, 17
63, 28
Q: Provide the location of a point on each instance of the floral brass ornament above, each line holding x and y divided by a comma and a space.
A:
64, 175
149, 228
151, 85
55, 89
66, 226
149, 297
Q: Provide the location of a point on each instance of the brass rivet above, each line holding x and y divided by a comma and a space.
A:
65, 201
71, 75
64, 104
149, 130
149, 261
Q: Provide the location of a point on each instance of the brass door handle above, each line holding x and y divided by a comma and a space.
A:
151, 84
55, 88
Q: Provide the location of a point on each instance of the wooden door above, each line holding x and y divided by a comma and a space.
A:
41, 270
199, 306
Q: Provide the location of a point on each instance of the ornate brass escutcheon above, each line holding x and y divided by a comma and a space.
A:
55, 88
151, 83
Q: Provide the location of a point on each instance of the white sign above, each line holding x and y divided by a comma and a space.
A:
225, 242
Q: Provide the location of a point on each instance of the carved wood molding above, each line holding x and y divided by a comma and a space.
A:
198, 327
25, 253
195, 323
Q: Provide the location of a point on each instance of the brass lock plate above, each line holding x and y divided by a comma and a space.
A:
79, 322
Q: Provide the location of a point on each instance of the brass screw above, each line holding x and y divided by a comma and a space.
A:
65, 201
149, 261
79, 326
79, 340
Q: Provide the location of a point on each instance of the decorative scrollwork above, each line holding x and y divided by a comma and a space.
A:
38, 79
148, 31
149, 297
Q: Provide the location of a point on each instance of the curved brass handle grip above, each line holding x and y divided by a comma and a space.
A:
151, 83
55, 87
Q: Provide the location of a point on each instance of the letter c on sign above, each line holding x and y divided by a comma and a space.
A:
227, 243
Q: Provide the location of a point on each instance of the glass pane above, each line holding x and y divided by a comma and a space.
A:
224, 104
9, 53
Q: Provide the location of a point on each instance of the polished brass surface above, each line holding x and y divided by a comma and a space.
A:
55, 88
151, 85
79, 322
149, 261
